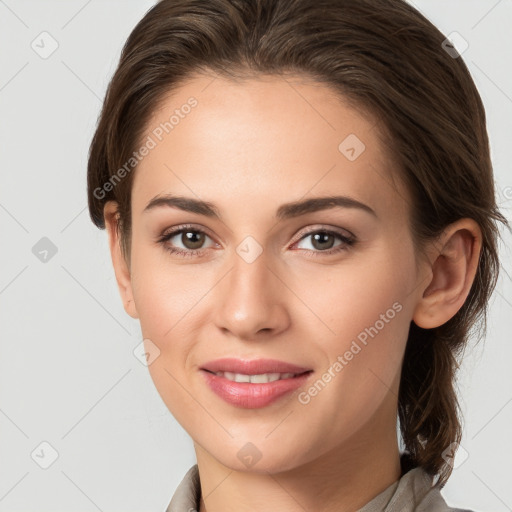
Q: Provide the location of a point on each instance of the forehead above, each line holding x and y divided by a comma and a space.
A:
261, 138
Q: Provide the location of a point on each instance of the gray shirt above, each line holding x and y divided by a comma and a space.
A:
412, 492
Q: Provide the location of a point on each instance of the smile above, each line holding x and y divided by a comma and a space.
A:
255, 379
253, 391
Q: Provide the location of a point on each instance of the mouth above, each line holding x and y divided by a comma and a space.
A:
253, 384
261, 378
254, 367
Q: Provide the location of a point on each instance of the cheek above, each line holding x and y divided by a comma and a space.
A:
365, 311
362, 359
352, 296
167, 303
164, 294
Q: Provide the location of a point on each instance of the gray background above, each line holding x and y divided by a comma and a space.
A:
68, 376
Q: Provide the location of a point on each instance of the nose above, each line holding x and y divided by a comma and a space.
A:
251, 300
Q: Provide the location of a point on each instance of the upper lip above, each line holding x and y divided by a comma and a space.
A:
252, 367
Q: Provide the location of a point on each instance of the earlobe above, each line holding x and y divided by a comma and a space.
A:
453, 267
121, 268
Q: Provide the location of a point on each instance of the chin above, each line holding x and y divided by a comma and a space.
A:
254, 458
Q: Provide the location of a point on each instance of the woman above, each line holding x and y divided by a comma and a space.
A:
236, 139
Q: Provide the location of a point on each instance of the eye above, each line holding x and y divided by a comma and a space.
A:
322, 241
192, 240
190, 237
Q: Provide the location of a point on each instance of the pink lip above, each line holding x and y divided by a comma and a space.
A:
252, 396
252, 367
246, 394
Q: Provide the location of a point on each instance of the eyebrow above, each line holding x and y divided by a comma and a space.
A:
285, 211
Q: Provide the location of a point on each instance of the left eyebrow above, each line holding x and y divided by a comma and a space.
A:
285, 211
314, 204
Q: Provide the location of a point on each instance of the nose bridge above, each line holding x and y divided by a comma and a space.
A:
249, 278
251, 296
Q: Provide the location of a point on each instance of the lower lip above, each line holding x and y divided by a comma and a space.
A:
252, 396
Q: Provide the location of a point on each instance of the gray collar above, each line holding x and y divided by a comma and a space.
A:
413, 492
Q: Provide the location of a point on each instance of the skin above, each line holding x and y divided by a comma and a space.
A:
249, 147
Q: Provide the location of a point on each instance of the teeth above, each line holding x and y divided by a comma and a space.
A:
255, 379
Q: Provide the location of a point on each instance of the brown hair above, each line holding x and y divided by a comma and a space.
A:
382, 55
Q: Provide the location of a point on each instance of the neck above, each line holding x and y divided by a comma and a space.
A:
343, 480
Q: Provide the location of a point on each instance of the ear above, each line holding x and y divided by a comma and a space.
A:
453, 262
121, 267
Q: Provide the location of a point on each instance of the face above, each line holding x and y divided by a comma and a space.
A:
330, 288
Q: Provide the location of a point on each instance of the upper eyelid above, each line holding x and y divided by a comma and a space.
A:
327, 229
185, 227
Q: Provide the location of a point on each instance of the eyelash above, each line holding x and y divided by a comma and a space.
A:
347, 242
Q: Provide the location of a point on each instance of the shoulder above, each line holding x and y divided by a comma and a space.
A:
188, 493
416, 488
413, 492
433, 500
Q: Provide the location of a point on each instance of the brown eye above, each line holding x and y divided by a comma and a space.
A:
192, 239
322, 240
185, 241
